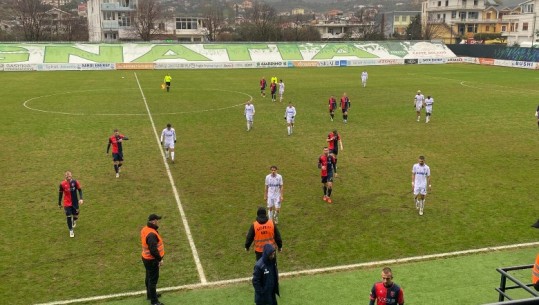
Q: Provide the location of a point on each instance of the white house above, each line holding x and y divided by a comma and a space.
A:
521, 27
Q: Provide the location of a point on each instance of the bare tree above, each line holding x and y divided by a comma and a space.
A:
214, 18
435, 30
76, 29
31, 14
263, 18
147, 15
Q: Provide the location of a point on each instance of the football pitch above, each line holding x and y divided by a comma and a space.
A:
480, 146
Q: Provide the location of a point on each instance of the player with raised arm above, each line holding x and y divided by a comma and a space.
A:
249, 113
428, 108
273, 194
334, 143
168, 138
281, 90
326, 164
419, 101
345, 106
116, 141
332, 106
289, 115
420, 181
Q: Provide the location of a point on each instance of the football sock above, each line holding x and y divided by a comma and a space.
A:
116, 168
248, 126
166, 154
289, 130
276, 215
325, 190
172, 155
270, 214
329, 192
120, 165
69, 222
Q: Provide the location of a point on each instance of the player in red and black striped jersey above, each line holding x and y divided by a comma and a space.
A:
326, 164
332, 103
386, 292
273, 90
334, 142
68, 189
263, 87
345, 106
116, 141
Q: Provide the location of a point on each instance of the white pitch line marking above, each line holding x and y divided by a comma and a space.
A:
302, 272
175, 191
26, 104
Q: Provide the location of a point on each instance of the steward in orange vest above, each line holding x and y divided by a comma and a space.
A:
153, 251
535, 273
535, 270
261, 232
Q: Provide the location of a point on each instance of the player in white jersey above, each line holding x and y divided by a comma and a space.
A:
281, 90
364, 77
428, 108
289, 115
168, 138
419, 101
249, 114
273, 194
420, 182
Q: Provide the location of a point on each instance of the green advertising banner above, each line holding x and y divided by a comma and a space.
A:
222, 53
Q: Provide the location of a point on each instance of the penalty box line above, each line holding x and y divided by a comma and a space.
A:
302, 272
187, 229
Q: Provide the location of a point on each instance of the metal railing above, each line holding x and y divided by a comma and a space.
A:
502, 295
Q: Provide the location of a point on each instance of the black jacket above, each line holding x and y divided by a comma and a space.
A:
266, 277
251, 234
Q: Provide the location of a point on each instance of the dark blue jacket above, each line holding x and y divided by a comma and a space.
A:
266, 278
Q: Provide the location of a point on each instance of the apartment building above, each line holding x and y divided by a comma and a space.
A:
114, 21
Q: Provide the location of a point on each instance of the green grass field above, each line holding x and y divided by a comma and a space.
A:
480, 146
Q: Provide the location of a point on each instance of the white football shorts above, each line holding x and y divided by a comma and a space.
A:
274, 202
420, 190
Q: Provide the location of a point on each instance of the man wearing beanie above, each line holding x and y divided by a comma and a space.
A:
263, 231
152, 256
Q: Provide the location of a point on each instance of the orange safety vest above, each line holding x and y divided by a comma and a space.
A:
145, 249
264, 234
535, 270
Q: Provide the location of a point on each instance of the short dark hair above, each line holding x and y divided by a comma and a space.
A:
422, 158
273, 166
387, 270
169, 125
